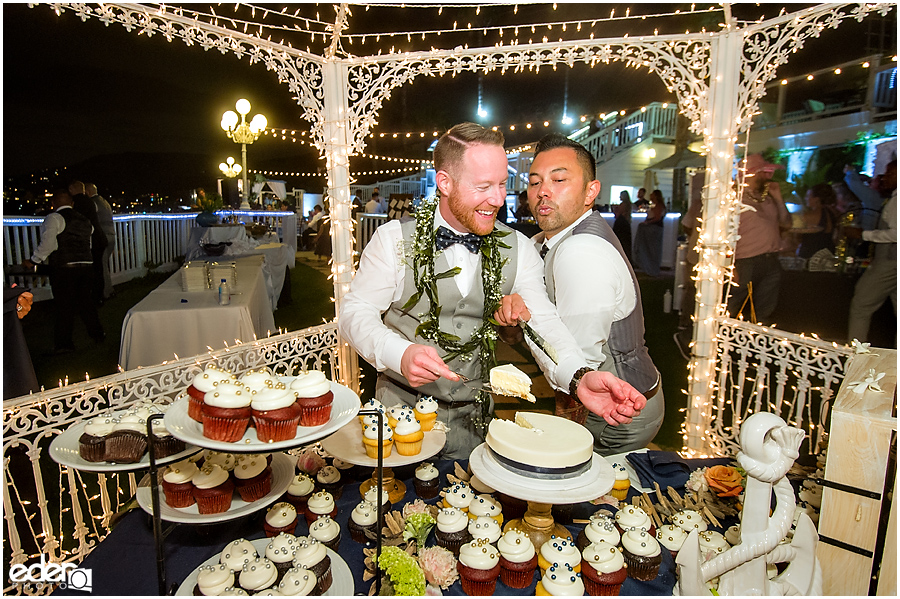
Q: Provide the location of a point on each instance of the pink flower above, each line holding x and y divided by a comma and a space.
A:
415, 507
310, 462
439, 566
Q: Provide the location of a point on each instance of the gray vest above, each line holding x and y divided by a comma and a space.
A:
626, 354
885, 251
459, 316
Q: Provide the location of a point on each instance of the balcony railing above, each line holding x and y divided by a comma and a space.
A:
656, 121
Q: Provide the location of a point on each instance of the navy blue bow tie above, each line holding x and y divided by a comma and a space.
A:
444, 238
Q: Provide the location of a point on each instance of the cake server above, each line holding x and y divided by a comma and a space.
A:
539, 341
475, 383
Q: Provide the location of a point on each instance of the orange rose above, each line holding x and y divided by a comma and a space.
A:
725, 480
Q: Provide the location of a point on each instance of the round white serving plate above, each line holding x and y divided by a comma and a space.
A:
341, 576
346, 444
343, 409
282, 473
64, 450
592, 484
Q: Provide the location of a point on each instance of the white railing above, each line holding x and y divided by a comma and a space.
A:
143, 241
761, 369
61, 513
655, 121
365, 228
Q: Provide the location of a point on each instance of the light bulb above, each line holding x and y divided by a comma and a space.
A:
242, 106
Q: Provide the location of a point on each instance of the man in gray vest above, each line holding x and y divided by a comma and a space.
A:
437, 279
103, 280
593, 286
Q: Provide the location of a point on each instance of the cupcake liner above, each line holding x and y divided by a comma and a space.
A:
358, 531
315, 416
452, 544
163, 447
620, 494
274, 430
125, 448
255, 490
223, 428
471, 587
372, 450
408, 449
427, 489
214, 503
643, 569
195, 408
94, 450
333, 543
281, 568
426, 421
299, 502
602, 585
336, 489
179, 498
516, 579
274, 531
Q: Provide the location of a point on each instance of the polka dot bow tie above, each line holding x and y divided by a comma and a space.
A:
444, 238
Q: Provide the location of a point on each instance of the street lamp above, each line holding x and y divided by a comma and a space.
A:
243, 134
229, 168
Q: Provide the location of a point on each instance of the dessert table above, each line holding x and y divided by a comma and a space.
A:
124, 563
170, 321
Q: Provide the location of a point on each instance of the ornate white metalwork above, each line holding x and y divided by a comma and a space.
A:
31, 422
761, 369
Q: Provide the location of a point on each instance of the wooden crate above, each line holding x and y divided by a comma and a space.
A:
862, 432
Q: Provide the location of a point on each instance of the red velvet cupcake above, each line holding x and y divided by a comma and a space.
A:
203, 383
177, 486
478, 567
602, 569
518, 559
226, 412
213, 490
320, 504
314, 396
252, 477
275, 413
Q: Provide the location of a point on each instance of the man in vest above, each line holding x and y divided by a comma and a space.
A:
438, 278
593, 286
65, 248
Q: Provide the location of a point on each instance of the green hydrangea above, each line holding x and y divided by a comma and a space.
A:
404, 572
418, 526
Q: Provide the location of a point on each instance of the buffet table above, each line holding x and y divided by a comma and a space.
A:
124, 563
170, 321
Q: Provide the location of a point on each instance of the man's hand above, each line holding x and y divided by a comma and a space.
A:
512, 309
421, 365
28, 264
23, 304
609, 397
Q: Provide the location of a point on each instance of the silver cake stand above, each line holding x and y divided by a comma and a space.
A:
541, 494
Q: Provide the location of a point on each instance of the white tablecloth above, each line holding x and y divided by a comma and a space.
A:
163, 324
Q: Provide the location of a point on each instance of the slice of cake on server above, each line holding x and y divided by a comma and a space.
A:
509, 380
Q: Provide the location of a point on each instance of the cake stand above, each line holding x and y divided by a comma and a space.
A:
541, 494
346, 444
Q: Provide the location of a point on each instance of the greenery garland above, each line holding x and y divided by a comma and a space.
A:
484, 338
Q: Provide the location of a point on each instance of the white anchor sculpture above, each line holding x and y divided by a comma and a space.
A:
769, 449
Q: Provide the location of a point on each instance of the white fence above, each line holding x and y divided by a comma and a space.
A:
655, 120
62, 513
143, 241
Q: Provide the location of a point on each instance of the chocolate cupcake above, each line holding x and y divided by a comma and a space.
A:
257, 574
349, 472
313, 555
237, 553
642, 554
164, 444
452, 530
371, 495
280, 551
280, 518
178, 489
363, 520
518, 559
427, 481
252, 477
600, 528
326, 531
213, 580
299, 491
478, 568
298, 582
602, 569
329, 479
320, 504
212, 490
127, 443
92, 443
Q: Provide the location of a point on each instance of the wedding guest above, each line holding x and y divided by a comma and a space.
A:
103, 280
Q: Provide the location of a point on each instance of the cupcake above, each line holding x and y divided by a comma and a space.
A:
297, 582
313, 556
256, 380
560, 580
732, 535
518, 559
280, 551
127, 442
299, 491
213, 579
642, 554
363, 520
252, 477
478, 568
201, 384
372, 405
275, 413
600, 528
257, 574
347, 470
451, 530
426, 412
280, 518
688, 520
177, 486
237, 553
164, 444
314, 395
371, 495
622, 484
394, 413
92, 443
712, 543
408, 436
671, 537
602, 569
459, 496
427, 480
226, 412
329, 479
370, 440
559, 551
212, 490
484, 527
485, 505
226, 461
320, 504
326, 531
632, 517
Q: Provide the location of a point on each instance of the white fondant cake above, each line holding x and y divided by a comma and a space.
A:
541, 440
509, 380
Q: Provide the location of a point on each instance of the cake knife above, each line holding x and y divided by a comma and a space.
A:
539, 341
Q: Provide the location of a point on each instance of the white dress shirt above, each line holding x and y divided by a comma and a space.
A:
379, 282
51, 227
593, 288
888, 217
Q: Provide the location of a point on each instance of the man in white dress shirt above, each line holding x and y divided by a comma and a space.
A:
404, 327
593, 286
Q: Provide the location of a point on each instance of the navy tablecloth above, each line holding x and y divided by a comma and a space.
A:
125, 562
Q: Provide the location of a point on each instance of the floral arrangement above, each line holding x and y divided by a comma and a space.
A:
310, 461
724, 481
439, 566
418, 525
403, 571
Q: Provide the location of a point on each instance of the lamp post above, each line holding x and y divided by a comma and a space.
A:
243, 133
229, 168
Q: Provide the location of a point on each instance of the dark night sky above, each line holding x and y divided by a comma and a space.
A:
74, 89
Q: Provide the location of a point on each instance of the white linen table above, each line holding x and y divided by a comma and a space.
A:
170, 321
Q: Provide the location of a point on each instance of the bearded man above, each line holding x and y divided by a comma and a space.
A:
419, 306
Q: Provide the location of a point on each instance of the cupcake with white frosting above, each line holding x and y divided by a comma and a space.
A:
212, 580
237, 553
689, 520
363, 519
280, 518
370, 440
600, 528
452, 529
320, 504
256, 380
632, 517
560, 551
485, 505
372, 405
213, 490
460, 495
427, 480
314, 395
299, 491
408, 436
478, 567
252, 477
275, 413
280, 551
484, 527
671, 537
622, 483
371, 495
313, 555
226, 412
642, 554
329, 479
257, 574
227, 461
426, 412
560, 581
92, 443
177, 486
297, 582
602, 569
202, 383
326, 531
127, 442
518, 559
